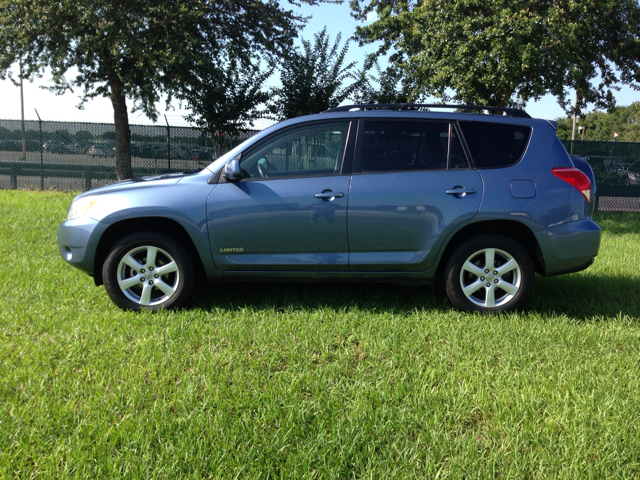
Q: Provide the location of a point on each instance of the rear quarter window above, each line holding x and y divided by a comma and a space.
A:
495, 145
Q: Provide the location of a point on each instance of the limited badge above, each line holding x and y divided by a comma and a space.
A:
231, 250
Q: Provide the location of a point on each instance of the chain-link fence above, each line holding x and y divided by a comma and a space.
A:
79, 156
617, 169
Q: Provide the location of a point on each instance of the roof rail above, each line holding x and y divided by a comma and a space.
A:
511, 112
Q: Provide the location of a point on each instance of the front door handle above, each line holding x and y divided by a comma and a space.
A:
329, 194
459, 191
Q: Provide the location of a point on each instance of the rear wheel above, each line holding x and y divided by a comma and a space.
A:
148, 270
490, 273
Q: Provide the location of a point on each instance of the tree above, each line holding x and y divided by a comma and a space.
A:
107, 136
225, 101
601, 125
386, 87
313, 78
507, 52
137, 49
60, 136
83, 137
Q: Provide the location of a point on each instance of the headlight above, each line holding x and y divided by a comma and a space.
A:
81, 206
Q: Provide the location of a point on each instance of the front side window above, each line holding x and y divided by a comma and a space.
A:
390, 145
310, 150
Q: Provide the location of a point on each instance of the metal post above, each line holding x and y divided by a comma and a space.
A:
168, 144
13, 175
41, 161
581, 130
24, 143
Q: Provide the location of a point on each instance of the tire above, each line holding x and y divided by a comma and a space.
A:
489, 273
134, 281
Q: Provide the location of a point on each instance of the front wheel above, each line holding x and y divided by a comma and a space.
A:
148, 270
490, 273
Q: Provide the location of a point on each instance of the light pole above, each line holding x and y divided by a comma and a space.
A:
573, 130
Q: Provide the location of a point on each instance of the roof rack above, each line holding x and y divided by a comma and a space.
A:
511, 112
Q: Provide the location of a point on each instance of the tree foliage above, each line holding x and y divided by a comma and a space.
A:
313, 78
139, 49
226, 100
625, 121
385, 87
507, 52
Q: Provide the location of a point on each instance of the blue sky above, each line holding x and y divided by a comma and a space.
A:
337, 18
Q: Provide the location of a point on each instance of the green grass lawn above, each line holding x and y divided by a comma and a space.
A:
315, 381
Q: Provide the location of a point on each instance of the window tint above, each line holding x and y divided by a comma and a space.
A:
495, 144
405, 145
310, 150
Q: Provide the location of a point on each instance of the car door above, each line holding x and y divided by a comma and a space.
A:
289, 209
411, 184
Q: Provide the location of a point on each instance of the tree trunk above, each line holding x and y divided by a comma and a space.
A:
123, 134
497, 100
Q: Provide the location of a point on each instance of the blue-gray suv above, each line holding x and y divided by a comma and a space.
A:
476, 202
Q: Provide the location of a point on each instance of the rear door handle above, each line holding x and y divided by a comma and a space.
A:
459, 191
329, 194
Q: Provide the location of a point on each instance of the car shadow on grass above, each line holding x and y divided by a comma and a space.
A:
390, 297
577, 296
585, 296
619, 223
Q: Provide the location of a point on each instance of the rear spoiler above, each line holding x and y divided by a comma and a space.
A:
553, 123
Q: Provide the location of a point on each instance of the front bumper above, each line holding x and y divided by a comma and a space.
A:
569, 247
78, 240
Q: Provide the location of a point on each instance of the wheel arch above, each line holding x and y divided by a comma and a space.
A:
166, 226
509, 228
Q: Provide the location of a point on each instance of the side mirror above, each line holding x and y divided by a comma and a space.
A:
232, 169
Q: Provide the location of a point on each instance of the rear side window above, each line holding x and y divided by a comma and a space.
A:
409, 146
495, 145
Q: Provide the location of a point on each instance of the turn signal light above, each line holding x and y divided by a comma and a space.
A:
576, 179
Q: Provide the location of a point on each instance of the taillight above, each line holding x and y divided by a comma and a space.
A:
576, 179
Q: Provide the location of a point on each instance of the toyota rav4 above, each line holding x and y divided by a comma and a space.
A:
476, 202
